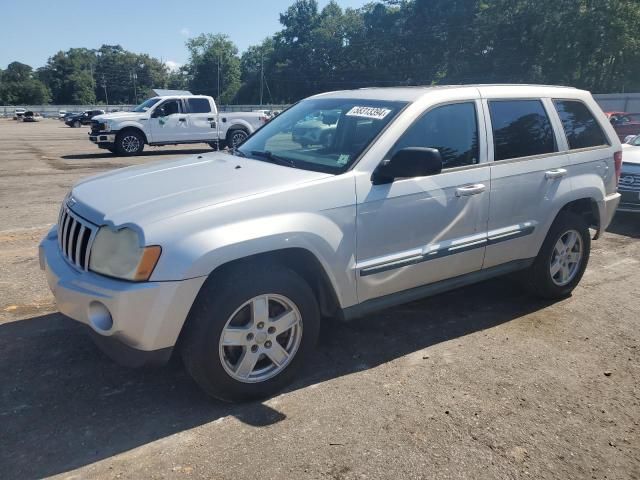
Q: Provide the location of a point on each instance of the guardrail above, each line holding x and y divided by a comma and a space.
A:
610, 102
53, 110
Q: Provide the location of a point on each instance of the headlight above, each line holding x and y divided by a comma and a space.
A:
119, 254
106, 126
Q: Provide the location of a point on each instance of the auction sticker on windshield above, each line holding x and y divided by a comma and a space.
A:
369, 112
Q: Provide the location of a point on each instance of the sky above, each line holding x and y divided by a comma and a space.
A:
158, 27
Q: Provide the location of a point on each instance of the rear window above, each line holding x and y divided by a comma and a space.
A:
199, 105
521, 128
580, 126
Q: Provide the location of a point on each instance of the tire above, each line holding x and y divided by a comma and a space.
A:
214, 145
540, 278
77, 124
236, 136
225, 303
129, 143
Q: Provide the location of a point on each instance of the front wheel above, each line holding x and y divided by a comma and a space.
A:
129, 143
562, 259
77, 124
249, 334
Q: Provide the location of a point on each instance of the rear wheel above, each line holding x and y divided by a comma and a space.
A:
247, 336
129, 143
236, 136
562, 259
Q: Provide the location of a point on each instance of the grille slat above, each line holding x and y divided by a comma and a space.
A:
629, 182
75, 238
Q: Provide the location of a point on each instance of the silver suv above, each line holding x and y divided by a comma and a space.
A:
234, 259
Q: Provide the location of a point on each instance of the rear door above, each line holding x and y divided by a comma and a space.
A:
201, 119
529, 171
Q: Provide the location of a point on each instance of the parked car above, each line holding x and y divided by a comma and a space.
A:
62, 114
18, 113
84, 118
420, 190
173, 120
30, 116
625, 124
629, 185
317, 129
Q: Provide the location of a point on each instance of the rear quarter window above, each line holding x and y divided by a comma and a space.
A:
580, 126
521, 128
199, 105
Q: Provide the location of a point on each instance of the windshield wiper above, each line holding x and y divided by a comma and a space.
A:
235, 151
267, 155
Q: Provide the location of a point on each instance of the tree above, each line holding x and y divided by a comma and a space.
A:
19, 86
213, 67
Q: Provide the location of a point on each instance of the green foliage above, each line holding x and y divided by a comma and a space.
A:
591, 44
18, 85
213, 57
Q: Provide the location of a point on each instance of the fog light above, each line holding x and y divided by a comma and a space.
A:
100, 317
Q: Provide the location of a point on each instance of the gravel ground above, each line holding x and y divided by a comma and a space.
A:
481, 382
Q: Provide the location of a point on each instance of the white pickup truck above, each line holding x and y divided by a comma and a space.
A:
172, 120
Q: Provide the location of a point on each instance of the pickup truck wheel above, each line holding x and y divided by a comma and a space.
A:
249, 334
129, 143
562, 259
236, 136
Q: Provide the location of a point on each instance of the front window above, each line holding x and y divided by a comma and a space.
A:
325, 135
146, 105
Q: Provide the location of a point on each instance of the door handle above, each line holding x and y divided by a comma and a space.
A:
210, 119
557, 173
469, 190
182, 119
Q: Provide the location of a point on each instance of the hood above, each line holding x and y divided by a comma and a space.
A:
121, 116
630, 154
147, 193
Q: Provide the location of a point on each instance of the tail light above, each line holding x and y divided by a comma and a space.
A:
617, 160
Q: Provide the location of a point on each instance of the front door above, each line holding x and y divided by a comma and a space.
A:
416, 231
168, 122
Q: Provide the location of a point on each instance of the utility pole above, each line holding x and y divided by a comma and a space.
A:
104, 85
261, 77
219, 59
134, 76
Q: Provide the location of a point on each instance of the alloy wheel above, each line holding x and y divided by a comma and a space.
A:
566, 258
260, 338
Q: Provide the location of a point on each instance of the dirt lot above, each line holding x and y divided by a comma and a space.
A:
482, 382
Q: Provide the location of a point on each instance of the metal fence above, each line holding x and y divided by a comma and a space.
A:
618, 102
54, 110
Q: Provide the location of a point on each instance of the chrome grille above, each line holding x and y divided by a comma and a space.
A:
75, 236
629, 182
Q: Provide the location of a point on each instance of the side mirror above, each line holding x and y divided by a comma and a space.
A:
408, 163
158, 112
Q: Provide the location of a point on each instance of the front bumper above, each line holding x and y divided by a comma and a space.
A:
103, 138
630, 201
134, 323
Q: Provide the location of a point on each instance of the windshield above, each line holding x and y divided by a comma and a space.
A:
325, 135
146, 105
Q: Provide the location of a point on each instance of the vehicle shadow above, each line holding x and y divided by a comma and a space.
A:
65, 405
626, 223
147, 153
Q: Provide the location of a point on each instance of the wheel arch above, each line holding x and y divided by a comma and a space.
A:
134, 128
301, 261
298, 259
